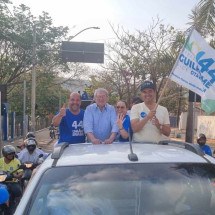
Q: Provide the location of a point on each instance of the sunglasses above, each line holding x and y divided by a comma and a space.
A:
118, 107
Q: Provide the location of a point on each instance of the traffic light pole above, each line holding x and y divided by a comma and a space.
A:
33, 92
24, 110
1, 142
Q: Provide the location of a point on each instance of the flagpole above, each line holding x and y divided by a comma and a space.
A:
168, 79
194, 115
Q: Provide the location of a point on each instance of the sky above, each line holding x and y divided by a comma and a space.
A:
130, 14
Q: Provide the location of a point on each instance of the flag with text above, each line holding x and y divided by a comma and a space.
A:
195, 70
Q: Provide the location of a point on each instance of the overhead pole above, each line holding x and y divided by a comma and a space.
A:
33, 92
24, 110
1, 142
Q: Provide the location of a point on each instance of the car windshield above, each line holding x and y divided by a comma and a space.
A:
139, 189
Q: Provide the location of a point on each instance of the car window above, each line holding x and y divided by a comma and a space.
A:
163, 189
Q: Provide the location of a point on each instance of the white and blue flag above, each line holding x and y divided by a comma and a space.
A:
195, 70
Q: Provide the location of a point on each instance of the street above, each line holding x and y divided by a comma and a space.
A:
43, 139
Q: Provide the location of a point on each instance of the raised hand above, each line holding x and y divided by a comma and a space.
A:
151, 114
155, 122
120, 118
62, 111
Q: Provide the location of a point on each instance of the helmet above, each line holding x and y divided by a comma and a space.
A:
201, 136
201, 139
30, 134
4, 194
31, 144
8, 149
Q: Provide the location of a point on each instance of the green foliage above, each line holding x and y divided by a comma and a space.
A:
148, 54
202, 17
16, 58
16, 40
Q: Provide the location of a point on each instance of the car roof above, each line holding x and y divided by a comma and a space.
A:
116, 153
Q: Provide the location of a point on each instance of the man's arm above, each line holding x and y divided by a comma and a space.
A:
111, 138
114, 125
165, 129
92, 138
88, 126
137, 124
57, 118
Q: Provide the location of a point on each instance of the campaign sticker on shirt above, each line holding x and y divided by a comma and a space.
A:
143, 114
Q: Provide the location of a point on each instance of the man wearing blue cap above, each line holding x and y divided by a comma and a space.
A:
149, 121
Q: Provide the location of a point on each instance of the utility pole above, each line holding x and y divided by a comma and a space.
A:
1, 142
190, 124
24, 109
33, 95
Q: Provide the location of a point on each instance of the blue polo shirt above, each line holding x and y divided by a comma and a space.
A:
127, 126
206, 149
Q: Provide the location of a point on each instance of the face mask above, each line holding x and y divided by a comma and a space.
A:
31, 148
201, 142
10, 156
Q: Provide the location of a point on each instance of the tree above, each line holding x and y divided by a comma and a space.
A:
16, 58
148, 54
202, 17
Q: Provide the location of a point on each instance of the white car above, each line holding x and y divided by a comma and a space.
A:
139, 179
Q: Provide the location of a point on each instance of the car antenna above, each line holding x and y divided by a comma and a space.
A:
132, 156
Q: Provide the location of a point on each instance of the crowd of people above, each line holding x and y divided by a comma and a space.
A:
101, 122
11, 164
104, 123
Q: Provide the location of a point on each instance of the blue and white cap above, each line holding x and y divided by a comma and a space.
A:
147, 84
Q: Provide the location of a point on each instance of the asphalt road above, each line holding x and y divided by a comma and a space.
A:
43, 139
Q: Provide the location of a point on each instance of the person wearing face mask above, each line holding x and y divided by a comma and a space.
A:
31, 153
201, 140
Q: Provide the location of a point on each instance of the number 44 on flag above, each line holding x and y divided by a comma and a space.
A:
195, 70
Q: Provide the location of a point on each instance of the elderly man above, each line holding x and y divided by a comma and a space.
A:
100, 119
149, 121
70, 121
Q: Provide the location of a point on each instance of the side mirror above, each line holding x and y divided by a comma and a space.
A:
40, 156
22, 166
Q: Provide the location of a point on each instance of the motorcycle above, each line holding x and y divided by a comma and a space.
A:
4, 196
8, 203
28, 168
52, 134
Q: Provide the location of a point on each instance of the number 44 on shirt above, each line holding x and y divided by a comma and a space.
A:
76, 125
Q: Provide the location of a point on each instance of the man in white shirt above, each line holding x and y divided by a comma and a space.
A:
149, 122
31, 153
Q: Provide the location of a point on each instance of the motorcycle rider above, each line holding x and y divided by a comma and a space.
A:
52, 131
31, 153
28, 135
9, 163
201, 140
